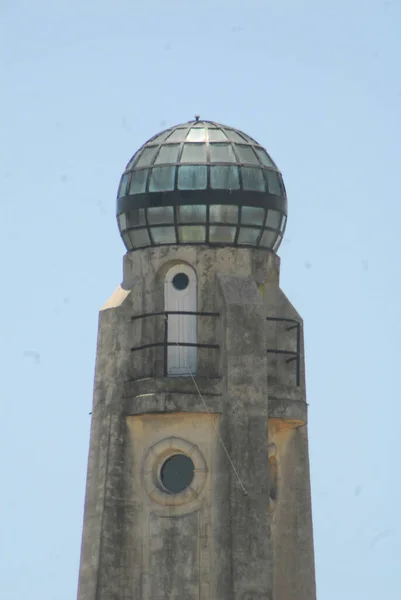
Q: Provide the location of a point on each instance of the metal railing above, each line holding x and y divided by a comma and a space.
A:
294, 355
165, 343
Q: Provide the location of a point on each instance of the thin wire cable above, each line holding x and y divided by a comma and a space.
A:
183, 356
217, 433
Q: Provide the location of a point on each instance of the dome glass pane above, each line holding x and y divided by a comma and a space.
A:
248, 235
247, 138
124, 184
252, 215
268, 238
127, 240
177, 135
273, 182
221, 213
194, 153
161, 137
163, 235
246, 155
162, 179
264, 157
196, 134
168, 154
138, 182
192, 178
140, 237
224, 178
233, 136
132, 161
160, 214
252, 179
135, 218
216, 135
194, 213
192, 233
277, 243
222, 153
273, 218
222, 234
147, 156
122, 221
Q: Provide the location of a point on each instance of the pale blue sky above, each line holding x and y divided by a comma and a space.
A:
83, 85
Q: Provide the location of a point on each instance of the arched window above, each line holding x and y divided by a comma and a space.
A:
180, 294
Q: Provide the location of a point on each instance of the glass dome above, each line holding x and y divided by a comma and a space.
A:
201, 183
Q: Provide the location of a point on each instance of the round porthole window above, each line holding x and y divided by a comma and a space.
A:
174, 472
180, 281
177, 473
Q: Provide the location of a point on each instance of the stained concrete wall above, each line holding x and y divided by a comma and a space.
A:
245, 531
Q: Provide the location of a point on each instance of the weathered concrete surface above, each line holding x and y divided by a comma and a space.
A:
244, 530
246, 415
292, 519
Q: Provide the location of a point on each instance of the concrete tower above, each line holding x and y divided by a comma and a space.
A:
198, 477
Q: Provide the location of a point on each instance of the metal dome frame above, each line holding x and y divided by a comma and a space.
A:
247, 159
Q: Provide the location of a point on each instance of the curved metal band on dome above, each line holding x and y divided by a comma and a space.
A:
204, 197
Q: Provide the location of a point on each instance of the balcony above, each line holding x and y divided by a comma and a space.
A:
182, 348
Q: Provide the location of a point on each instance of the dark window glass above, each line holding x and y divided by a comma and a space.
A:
127, 240
192, 178
160, 214
138, 182
283, 190
225, 178
180, 281
195, 213
273, 218
193, 153
136, 217
216, 135
163, 235
192, 233
268, 238
273, 182
177, 473
177, 135
147, 156
277, 243
252, 215
124, 184
222, 153
162, 179
264, 157
248, 235
222, 234
246, 155
196, 134
167, 154
252, 179
140, 237
122, 221
221, 213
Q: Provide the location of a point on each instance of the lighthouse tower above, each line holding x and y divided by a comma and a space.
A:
198, 481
